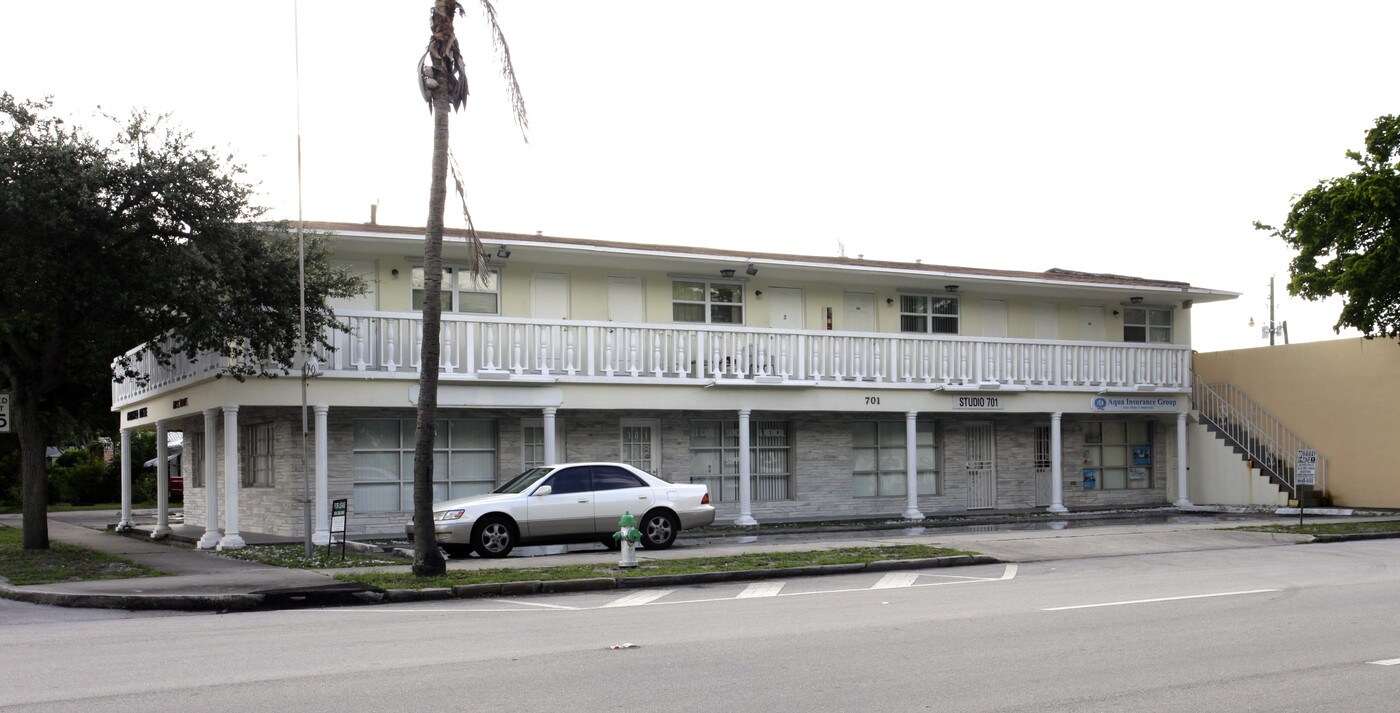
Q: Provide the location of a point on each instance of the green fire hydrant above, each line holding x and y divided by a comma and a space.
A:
627, 536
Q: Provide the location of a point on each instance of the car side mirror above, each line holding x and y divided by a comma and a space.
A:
544, 490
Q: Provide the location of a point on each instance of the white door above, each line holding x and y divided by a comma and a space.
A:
1091, 323
981, 466
785, 308
1047, 320
859, 312
994, 318
549, 299
625, 300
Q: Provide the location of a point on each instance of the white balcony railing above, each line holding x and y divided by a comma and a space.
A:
487, 347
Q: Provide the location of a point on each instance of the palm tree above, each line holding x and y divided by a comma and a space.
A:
442, 78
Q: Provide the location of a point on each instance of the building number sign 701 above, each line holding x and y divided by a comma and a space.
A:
4, 413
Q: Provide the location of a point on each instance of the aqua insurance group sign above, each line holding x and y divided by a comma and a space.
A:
1107, 403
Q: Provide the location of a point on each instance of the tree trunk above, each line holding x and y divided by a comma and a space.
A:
427, 559
35, 483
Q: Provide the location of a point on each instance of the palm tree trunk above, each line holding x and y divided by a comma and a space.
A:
34, 486
427, 559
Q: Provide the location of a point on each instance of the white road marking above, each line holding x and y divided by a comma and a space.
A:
895, 580
523, 602
1010, 572
1161, 599
637, 599
761, 589
1387, 662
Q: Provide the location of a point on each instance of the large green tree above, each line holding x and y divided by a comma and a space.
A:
1347, 234
442, 79
132, 245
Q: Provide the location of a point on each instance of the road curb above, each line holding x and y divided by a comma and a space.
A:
135, 602
1319, 539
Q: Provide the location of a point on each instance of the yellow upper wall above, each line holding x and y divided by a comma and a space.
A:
588, 299
1341, 396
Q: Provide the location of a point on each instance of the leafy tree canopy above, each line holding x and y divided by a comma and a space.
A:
136, 238
1347, 234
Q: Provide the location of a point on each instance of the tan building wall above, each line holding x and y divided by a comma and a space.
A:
1342, 397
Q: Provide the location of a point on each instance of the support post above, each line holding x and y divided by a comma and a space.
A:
550, 451
210, 539
745, 503
1182, 499
162, 529
322, 535
911, 465
232, 477
1057, 466
124, 524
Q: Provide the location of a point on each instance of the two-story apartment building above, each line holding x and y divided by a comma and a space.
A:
795, 386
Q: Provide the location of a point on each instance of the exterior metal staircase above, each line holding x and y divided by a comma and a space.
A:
1257, 435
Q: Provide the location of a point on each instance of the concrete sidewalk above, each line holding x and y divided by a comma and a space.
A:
202, 580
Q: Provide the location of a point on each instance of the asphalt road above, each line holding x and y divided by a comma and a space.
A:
1296, 628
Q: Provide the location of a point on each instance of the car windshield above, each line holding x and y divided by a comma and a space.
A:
519, 483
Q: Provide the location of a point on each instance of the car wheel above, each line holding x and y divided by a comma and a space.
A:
494, 537
611, 543
659, 529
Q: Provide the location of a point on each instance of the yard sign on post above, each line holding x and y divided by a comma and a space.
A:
4, 413
1304, 473
338, 510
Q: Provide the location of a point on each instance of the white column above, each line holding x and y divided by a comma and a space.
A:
745, 507
124, 523
210, 538
322, 533
551, 456
1181, 461
232, 479
911, 464
1057, 467
162, 530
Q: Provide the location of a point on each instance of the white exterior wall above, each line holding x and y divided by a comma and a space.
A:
1220, 476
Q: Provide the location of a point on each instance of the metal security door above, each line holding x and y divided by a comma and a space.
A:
981, 466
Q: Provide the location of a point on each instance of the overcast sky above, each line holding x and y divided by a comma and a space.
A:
1134, 138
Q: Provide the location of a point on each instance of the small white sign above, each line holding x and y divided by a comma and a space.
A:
979, 403
4, 413
1306, 471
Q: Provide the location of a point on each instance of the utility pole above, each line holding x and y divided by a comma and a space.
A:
1272, 328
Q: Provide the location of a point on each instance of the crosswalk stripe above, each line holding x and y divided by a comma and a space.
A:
637, 599
761, 589
895, 580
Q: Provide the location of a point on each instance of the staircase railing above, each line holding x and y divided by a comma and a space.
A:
1263, 438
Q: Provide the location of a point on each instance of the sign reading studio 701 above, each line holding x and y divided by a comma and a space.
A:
4, 413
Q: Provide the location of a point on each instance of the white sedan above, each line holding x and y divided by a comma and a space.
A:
570, 502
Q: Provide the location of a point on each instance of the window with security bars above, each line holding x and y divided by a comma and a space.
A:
464, 462
1118, 455
257, 455
531, 447
194, 454
1042, 448
879, 456
928, 314
714, 459
639, 444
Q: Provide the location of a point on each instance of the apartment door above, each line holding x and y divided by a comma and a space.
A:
549, 299
785, 308
364, 343
1047, 320
994, 318
981, 466
859, 315
1091, 323
626, 302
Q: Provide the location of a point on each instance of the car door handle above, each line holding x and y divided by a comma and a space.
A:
583, 501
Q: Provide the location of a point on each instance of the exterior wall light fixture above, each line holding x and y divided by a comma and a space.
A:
726, 273
1135, 300
503, 252
950, 288
751, 270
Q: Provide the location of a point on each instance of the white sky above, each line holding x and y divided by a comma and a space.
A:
1133, 138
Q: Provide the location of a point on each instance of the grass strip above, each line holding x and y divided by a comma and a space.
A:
649, 567
61, 563
1331, 528
294, 556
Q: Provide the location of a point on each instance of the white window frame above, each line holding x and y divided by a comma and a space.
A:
442, 476
765, 456
930, 481
1140, 317
709, 303
654, 445
455, 274
194, 453
927, 314
1096, 445
527, 459
259, 459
